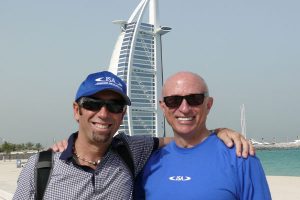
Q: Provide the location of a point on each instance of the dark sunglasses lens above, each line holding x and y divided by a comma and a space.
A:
91, 105
192, 100
195, 99
96, 104
173, 101
115, 107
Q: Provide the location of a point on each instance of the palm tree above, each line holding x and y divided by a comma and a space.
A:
38, 146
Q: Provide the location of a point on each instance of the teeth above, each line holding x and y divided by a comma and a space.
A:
185, 118
101, 126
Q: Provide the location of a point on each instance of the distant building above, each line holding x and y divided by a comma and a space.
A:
137, 59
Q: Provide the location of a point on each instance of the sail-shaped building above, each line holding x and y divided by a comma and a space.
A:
137, 59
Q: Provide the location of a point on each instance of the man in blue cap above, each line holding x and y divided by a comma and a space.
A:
90, 168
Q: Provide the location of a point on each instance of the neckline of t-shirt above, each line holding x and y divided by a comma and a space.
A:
194, 148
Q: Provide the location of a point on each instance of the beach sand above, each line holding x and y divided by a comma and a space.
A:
282, 187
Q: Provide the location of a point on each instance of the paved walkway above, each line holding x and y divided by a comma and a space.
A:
9, 174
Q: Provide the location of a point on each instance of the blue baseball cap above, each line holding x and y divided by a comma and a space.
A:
101, 81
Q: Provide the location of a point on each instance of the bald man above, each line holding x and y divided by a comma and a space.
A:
197, 165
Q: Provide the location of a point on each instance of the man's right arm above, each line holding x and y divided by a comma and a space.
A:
26, 181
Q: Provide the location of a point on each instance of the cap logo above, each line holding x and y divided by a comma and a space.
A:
108, 80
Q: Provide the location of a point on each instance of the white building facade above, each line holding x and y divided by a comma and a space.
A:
137, 59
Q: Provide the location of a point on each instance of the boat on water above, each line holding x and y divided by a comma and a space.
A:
254, 142
263, 144
296, 141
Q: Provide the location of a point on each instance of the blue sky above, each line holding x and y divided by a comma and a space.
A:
248, 52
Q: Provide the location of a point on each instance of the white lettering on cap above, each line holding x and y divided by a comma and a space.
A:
108, 80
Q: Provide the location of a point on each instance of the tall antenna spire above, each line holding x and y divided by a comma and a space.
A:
153, 13
243, 120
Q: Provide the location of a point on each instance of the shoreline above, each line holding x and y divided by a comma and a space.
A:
282, 187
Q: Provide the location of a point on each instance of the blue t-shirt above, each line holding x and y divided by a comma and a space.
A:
207, 171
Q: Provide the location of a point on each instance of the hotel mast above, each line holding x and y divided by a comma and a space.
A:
137, 59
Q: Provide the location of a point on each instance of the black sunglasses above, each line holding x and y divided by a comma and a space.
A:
192, 99
92, 104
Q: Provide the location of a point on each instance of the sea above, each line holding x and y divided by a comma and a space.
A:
280, 162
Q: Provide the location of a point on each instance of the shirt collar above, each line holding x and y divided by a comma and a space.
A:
68, 153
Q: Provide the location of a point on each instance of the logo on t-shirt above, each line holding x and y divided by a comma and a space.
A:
180, 178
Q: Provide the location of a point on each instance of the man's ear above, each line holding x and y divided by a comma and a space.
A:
210, 102
162, 105
124, 112
76, 111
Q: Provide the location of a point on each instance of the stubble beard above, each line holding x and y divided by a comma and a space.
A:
101, 139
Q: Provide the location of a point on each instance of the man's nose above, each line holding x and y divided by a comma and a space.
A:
103, 112
184, 106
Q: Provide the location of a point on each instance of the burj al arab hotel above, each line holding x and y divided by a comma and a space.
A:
137, 59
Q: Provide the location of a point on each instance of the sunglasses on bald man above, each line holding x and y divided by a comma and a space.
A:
192, 99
